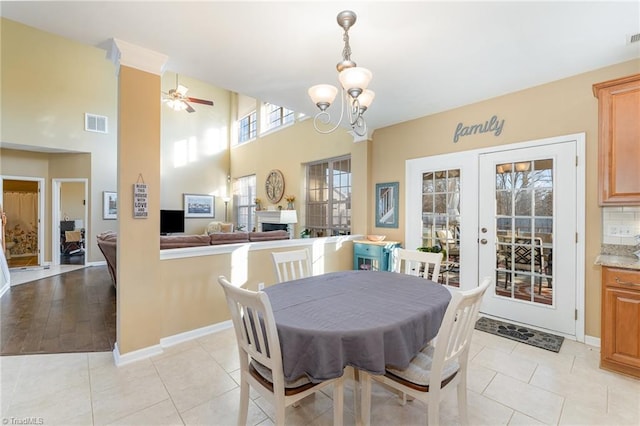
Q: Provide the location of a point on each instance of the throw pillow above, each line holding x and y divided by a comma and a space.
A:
226, 227
213, 227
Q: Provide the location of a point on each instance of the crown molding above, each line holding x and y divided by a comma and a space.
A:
124, 53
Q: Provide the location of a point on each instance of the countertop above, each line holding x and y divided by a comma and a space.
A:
617, 261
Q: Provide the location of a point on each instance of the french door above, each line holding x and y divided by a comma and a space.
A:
527, 235
509, 212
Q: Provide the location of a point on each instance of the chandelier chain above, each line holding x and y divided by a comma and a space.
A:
346, 52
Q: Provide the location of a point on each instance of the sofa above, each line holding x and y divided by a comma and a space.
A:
107, 242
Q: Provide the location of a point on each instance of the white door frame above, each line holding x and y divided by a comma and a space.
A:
41, 204
468, 160
55, 216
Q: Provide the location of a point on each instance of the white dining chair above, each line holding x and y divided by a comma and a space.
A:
441, 365
418, 263
261, 357
291, 265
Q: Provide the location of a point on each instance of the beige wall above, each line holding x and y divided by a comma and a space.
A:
195, 149
289, 150
72, 200
47, 166
48, 84
558, 108
190, 296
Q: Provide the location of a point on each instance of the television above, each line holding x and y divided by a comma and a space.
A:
171, 221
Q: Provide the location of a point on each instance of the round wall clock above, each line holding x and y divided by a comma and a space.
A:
274, 185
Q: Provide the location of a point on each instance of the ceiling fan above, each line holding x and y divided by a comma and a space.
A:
178, 100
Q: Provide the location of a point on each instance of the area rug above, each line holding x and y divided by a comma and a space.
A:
521, 334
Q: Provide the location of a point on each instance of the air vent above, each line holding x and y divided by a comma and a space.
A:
634, 38
95, 123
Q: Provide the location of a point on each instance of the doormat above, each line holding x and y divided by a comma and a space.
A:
521, 334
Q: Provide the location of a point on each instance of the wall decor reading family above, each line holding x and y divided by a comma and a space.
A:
387, 205
494, 124
109, 205
196, 205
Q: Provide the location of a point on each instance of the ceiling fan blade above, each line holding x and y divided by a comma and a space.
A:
182, 90
200, 101
189, 107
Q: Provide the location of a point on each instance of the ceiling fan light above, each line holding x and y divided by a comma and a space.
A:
323, 95
355, 78
366, 98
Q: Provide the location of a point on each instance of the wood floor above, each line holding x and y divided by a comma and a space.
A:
71, 312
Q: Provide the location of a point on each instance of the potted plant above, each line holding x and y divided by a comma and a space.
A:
434, 249
305, 233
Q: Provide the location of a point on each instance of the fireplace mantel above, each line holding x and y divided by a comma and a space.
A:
278, 217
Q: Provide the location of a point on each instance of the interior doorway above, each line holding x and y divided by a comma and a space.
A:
23, 203
69, 221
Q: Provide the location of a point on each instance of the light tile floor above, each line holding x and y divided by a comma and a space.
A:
196, 383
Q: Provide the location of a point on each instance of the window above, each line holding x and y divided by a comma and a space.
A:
276, 116
244, 198
329, 197
247, 127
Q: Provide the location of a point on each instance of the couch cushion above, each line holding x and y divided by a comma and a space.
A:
178, 241
268, 236
228, 238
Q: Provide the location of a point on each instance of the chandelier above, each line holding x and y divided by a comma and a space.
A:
355, 97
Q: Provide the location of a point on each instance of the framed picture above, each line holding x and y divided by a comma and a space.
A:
109, 205
387, 205
196, 205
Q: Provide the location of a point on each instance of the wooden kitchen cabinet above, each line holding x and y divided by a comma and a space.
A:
619, 140
620, 339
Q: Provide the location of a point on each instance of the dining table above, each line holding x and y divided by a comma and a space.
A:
364, 319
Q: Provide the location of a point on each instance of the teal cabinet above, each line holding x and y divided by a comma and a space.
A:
373, 256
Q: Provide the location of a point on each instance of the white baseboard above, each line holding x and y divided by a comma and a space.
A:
592, 341
133, 356
176, 339
167, 342
5, 288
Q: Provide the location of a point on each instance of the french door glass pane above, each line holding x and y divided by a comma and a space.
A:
524, 226
441, 219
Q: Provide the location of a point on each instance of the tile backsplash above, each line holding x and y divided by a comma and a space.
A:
620, 225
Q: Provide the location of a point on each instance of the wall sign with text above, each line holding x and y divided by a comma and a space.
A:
493, 125
140, 201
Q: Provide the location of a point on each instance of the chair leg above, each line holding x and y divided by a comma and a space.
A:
280, 410
434, 412
365, 404
462, 403
244, 403
338, 402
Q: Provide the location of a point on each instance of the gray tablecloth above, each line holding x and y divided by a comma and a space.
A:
359, 318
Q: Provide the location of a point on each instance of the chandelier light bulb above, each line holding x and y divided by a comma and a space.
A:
323, 95
355, 79
366, 98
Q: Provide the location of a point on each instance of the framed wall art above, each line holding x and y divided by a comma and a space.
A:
199, 205
387, 208
109, 205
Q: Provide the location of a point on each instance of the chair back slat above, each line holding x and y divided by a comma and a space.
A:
254, 326
291, 265
454, 337
417, 263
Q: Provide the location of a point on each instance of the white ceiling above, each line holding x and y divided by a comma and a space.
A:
426, 57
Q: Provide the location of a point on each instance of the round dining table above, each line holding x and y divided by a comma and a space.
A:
364, 319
